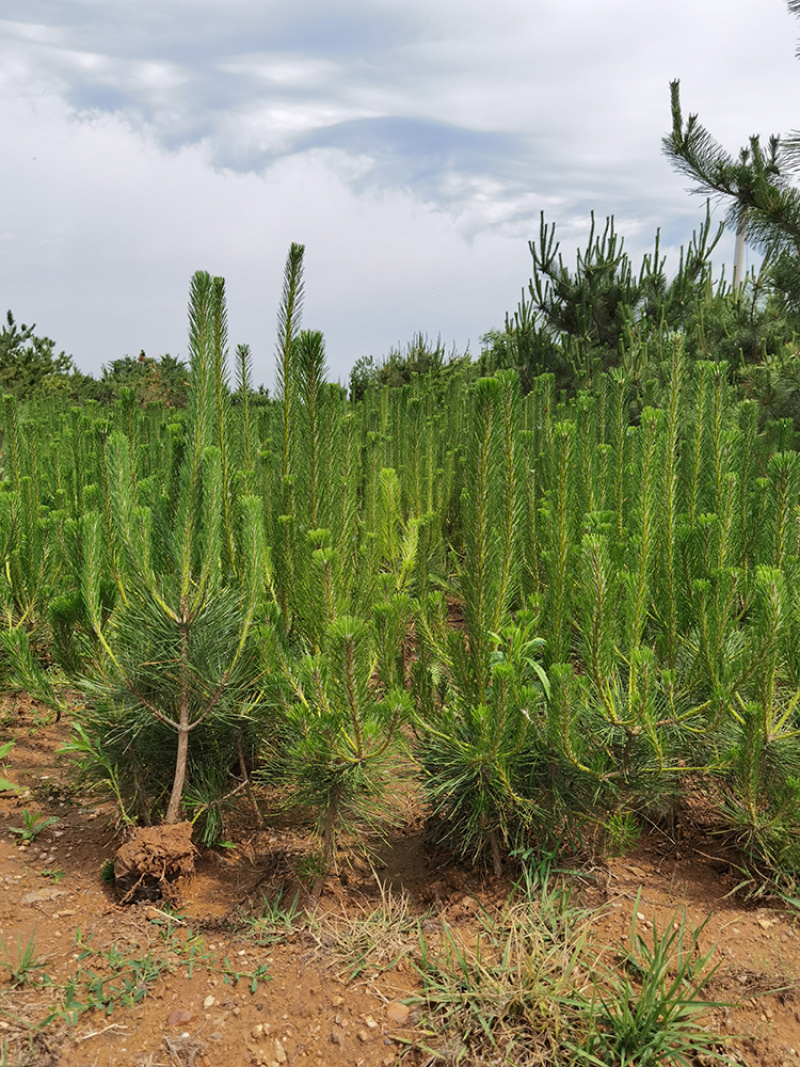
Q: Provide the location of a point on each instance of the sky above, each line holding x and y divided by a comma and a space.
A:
410, 145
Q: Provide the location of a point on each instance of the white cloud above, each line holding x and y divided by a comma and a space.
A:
410, 145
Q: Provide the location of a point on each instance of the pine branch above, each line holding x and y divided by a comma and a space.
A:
759, 194
289, 314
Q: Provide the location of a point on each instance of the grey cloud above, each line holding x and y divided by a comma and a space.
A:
410, 151
201, 32
225, 83
379, 84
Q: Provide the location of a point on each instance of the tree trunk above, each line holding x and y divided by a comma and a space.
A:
174, 808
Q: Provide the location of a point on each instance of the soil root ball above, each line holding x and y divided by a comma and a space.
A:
148, 866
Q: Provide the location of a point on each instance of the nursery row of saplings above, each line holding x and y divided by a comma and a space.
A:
561, 618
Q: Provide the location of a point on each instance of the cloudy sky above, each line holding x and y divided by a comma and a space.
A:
410, 145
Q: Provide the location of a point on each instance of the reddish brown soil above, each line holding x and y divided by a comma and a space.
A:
310, 1010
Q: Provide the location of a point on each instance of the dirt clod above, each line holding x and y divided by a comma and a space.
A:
148, 866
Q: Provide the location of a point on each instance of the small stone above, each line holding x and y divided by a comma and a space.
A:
641, 917
335, 1038
370, 1022
41, 895
257, 1031
397, 1012
209, 1002
362, 1036
280, 1052
237, 1012
337, 1001
179, 1017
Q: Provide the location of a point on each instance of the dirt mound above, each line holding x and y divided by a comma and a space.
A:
148, 866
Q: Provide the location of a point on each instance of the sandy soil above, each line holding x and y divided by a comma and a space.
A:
219, 985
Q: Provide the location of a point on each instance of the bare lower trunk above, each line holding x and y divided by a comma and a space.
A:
174, 809
329, 852
497, 861
181, 759
247, 783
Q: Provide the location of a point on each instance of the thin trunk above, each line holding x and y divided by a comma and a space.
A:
248, 785
497, 861
174, 809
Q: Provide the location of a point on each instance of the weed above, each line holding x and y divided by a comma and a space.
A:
529, 990
647, 1011
231, 975
35, 823
26, 971
374, 940
508, 995
311, 868
277, 920
55, 876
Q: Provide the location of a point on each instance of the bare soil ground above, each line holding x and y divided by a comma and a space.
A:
227, 979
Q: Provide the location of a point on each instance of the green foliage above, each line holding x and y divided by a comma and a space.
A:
152, 380
566, 609
574, 324
775, 383
34, 824
421, 357
757, 184
174, 655
341, 756
758, 187
165, 674
30, 364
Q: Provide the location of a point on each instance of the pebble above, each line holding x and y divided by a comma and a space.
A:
362, 1036
179, 1016
280, 1052
208, 1002
397, 1012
